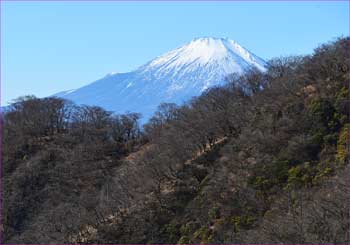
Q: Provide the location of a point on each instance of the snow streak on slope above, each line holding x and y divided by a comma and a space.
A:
173, 77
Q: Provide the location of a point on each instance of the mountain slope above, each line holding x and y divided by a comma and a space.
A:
173, 77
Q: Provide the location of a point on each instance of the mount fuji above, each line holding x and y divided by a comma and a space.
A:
174, 77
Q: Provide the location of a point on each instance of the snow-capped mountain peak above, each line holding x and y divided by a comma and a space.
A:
174, 77
203, 51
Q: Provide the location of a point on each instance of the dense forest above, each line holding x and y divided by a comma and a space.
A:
263, 159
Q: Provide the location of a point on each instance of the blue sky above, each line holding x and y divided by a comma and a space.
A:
48, 47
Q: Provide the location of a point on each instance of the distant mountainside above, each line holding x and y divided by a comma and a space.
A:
173, 77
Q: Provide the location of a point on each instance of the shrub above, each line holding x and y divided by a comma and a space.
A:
342, 144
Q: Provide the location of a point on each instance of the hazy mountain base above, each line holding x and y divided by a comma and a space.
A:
270, 167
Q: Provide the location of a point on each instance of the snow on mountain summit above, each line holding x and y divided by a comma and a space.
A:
173, 77
202, 51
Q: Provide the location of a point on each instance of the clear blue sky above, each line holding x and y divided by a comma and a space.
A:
48, 47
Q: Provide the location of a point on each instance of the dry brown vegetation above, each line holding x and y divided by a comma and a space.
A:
263, 159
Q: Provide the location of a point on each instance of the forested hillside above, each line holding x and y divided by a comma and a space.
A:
263, 159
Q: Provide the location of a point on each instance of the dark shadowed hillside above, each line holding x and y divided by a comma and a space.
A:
263, 159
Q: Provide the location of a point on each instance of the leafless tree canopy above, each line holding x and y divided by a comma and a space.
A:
263, 159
